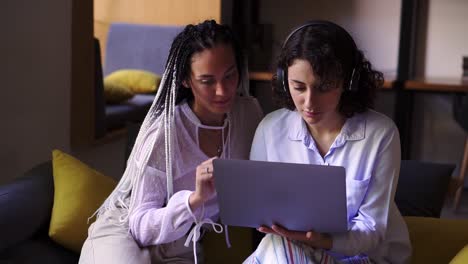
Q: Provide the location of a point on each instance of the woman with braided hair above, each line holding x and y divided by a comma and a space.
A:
202, 110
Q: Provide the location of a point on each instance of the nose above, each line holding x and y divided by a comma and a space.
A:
309, 98
221, 89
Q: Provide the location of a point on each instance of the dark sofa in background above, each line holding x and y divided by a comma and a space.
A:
129, 46
25, 210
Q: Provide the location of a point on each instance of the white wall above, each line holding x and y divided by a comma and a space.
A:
375, 25
35, 95
35, 78
447, 38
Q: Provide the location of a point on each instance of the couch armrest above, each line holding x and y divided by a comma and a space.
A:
436, 240
26, 204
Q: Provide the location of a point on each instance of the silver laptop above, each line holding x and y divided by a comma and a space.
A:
300, 197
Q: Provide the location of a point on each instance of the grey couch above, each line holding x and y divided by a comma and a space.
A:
25, 209
129, 46
26, 205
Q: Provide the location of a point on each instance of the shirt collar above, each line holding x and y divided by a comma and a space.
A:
196, 121
298, 129
353, 129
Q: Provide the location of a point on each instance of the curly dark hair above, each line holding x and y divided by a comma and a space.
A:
333, 55
193, 39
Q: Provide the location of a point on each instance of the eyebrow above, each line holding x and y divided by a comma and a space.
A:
210, 75
296, 81
230, 68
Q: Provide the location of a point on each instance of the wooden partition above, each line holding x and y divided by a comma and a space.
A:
82, 75
162, 12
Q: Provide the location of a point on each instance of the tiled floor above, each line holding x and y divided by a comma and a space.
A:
447, 211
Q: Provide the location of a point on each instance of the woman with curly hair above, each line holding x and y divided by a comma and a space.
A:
166, 195
327, 89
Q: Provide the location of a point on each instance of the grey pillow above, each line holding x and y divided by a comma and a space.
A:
422, 188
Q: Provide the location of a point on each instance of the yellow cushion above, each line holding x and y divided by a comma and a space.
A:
79, 191
436, 240
461, 257
215, 249
115, 93
137, 81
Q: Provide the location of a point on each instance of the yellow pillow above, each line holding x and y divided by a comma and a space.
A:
79, 191
461, 257
436, 240
115, 93
137, 81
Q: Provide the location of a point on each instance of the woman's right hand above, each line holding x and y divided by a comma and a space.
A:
204, 184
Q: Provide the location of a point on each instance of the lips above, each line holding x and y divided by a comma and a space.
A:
311, 114
222, 102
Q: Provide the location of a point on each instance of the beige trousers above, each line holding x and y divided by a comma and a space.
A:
110, 243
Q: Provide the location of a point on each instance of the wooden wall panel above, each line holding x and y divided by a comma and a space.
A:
163, 12
82, 75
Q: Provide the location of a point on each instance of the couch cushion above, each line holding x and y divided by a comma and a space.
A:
461, 257
422, 187
136, 46
116, 93
130, 46
137, 81
25, 205
133, 110
79, 191
436, 240
216, 251
38, 250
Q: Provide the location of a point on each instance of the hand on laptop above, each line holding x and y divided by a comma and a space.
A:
204, 184
311, 238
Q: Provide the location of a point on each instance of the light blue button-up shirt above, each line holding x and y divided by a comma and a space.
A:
368, 147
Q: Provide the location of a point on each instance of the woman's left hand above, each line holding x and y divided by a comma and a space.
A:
310, 238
